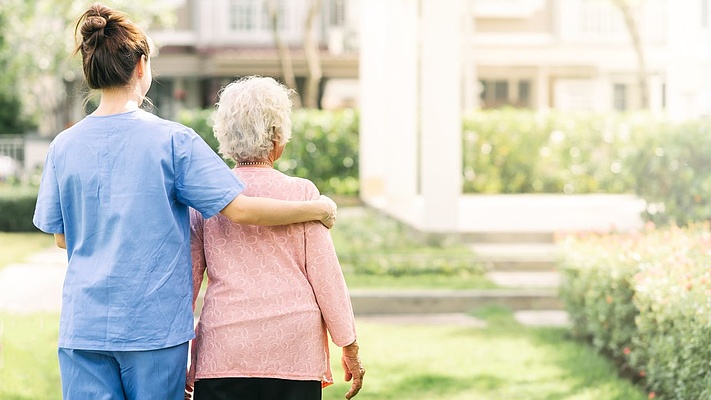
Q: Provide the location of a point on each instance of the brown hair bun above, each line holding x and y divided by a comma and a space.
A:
92, 30
110, 45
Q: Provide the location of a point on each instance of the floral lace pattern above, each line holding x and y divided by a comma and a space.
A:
273, 293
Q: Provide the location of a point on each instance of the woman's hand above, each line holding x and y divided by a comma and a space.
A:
332, 210
353, 368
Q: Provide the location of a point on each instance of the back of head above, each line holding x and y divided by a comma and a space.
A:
252, 112
110, 45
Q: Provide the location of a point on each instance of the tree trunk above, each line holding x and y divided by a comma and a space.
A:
633, 30
285, 65
313, 59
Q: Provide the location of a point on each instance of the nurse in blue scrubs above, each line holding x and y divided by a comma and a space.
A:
115, 192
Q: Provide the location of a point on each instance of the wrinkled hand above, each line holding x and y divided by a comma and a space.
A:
353, 368
329, 221
188, 392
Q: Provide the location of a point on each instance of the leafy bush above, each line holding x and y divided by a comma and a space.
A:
369, 243
519, 151
643, 299
323, 147
523, 151
17, 207
664, 163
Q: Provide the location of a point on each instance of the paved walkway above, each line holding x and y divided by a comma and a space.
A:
36, 286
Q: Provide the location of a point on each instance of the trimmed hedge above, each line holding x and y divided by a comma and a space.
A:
520, 151
644, 299
17, 206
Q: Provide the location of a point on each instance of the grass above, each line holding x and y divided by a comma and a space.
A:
379, 252
28, 357
17, 246
423, 281
504, 361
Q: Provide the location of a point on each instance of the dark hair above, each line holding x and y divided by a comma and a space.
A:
110, 46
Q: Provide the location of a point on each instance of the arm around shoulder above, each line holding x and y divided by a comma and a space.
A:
269, 212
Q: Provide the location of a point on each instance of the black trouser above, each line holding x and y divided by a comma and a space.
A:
256, 389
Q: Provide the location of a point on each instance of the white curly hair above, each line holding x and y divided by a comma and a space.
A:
251, 113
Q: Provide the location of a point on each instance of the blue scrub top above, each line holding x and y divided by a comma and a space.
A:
119, 187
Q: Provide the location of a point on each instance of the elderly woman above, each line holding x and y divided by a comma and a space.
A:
273, 293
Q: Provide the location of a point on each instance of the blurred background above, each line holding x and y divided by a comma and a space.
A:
524, 186
498, 96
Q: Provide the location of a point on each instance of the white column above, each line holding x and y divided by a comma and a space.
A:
374, 60
542, 89
470, 84
388, 102
402, 106
440, 114
655, 94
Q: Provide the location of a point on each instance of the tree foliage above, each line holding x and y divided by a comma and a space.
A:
37, 39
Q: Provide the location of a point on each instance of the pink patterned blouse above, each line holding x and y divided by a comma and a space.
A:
272, 292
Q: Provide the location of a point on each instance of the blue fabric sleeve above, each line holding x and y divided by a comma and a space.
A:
48, 210
203, 181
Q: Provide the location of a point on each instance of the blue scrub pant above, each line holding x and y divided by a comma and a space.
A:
124, 375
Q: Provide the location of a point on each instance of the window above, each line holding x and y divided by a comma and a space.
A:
501, 91
524, 93
619, 101
337, 13
252, 16
600, 18
242, 15
281, 14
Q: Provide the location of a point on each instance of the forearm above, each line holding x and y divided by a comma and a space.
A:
268, 212
60, 240
351, 349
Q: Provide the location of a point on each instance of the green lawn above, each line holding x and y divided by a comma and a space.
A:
504, 361
28, 357
425, 281
15, 247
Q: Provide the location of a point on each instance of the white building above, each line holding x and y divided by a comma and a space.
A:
419, 64
577, 54
564, 54
216, 41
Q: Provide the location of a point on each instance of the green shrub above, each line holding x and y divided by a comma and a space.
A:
523, 151
673, 171
17, 206
369, 243
597, 292
323, 147
643, 299
665, 163
520, 151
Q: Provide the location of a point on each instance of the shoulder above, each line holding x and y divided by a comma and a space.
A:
304, 186
67, 135
167, 125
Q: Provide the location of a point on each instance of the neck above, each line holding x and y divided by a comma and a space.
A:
118, 101
261, 164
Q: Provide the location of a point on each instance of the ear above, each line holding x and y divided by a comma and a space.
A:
141, 66
276, 138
